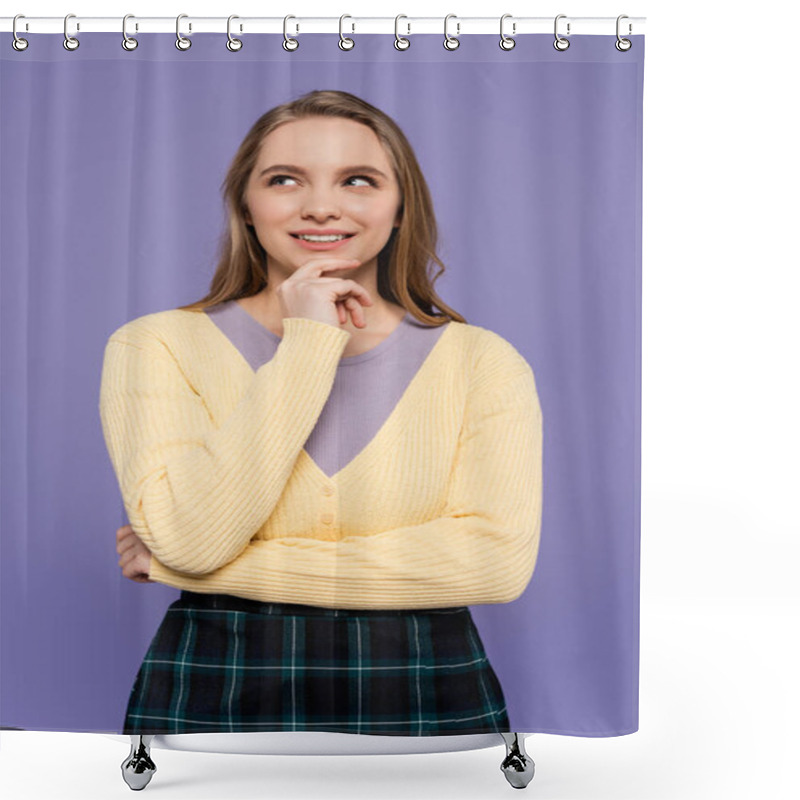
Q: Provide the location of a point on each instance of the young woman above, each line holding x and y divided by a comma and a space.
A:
328, 467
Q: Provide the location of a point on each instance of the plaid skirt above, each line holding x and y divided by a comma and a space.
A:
219, 663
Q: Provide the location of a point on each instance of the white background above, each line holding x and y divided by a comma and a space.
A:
720, 597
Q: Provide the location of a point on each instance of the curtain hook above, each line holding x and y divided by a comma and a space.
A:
289, 43
623, 45
561, 43
18, 42
182, 43
233, 44
344, 42
406, 43
507, 42
70, 42
451, 42
128, 42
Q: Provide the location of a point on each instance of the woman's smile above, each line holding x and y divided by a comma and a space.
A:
321, 241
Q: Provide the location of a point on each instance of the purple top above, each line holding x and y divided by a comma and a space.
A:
365, 390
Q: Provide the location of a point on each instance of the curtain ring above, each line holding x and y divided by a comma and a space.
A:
451, 42
344, 42
182, 43
18, 43
561, 43
507, 42
623, 45
289, 43
233, 44
128, 42
70, 42
399, 42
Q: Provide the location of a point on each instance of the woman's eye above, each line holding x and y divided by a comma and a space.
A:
363, 178
370, 181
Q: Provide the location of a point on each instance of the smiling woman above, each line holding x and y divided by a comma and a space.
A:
302, 186
328, 517
329, 162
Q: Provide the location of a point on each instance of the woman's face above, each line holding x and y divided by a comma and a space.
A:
322, 174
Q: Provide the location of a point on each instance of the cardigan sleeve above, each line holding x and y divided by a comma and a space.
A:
482, 549
196, 492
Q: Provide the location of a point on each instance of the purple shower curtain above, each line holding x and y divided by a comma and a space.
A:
111, 163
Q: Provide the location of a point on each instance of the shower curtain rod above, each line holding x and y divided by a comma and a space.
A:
456, 26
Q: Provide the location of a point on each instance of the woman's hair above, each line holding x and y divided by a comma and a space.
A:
404, 261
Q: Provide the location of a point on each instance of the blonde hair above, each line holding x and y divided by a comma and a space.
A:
403, 263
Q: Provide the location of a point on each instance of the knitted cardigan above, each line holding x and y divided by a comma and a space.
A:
441, 508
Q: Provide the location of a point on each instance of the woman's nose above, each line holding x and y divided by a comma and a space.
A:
321, 202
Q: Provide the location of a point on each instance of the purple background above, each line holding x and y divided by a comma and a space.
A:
111, 163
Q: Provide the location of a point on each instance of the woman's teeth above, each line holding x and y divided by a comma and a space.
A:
322, 238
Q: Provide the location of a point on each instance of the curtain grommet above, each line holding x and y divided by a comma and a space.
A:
400, 43
344, 42
129, 43
451, 42
18, 43
182, 42
622, 44
561, 43
507, 42
233, 44
70, 42
290, 44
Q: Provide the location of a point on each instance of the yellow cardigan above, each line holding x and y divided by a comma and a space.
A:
441, 508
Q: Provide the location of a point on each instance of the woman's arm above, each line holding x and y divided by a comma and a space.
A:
196, 492
482, 549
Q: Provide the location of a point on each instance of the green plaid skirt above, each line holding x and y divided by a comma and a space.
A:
219, 663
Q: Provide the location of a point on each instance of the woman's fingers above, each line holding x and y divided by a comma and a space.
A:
125, 538
134, 555
136, 567
127, 543
128, 556
124, 531
132, 549
356, 311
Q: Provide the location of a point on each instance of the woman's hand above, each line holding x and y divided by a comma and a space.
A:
308, 293
134, 555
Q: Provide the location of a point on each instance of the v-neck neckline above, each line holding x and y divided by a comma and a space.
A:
344, 361
391, 421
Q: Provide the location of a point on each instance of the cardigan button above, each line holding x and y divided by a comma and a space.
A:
327, 518
327, 489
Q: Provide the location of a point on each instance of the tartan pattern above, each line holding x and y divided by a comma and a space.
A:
219, 663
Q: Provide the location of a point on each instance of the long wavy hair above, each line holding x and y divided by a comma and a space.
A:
405, 260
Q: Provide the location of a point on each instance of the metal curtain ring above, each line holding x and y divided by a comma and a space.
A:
18, 43
128, 42
70, 42
344, 42
181, 42
451, 42
233, 44
623, 45
561, 43
289, 43
399, 42
506, 42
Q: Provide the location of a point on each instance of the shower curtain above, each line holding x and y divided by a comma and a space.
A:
112, 163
